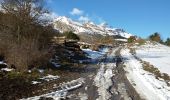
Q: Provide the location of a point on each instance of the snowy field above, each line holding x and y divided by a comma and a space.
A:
145, 83
157, 55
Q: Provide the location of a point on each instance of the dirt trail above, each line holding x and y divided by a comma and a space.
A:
108, 82
105, 80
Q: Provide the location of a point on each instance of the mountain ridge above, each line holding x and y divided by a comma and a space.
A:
63, 23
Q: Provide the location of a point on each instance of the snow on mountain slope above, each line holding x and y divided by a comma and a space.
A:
63, 23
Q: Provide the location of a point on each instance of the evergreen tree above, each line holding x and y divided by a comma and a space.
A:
167, 42
155, 37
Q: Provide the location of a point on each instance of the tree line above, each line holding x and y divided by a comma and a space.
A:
157, 37
153, 37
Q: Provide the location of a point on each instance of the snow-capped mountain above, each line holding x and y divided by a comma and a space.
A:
63, 23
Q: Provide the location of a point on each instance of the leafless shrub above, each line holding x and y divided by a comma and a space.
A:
24, 37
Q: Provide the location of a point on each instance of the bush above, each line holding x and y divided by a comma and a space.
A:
155, 71
141, 41
26, 50
131, 39
155, 37
24, 37
167, 42
71, 35
106, 40
165, 77
25, 54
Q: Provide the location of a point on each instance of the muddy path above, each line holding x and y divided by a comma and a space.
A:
104, 80
122, 88
107, 82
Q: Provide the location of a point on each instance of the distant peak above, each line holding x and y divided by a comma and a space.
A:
63, 19
104, 24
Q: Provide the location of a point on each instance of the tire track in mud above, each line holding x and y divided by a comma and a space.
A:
122, 88
109, 82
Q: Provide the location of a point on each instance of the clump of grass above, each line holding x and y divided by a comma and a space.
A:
35, 74
13, 75
166, 77
150, 68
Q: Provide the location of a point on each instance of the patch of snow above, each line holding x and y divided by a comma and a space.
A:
96, 54
29, 71
93, 54
50, 77
84, 43
7, 69
35, 82
62, 93
123, 40
83, 96
41, 70
104, 50
58, 95
2, 63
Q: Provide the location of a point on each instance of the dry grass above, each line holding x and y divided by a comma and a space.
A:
150, 68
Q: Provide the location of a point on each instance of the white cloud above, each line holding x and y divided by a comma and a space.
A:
76, 11
84, 19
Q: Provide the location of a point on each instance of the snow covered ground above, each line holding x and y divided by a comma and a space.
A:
144, 82
49, 77
156, 54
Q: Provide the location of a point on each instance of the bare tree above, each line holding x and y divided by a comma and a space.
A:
24, 40
25, 12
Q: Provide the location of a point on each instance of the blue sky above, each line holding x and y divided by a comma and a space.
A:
139, 17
